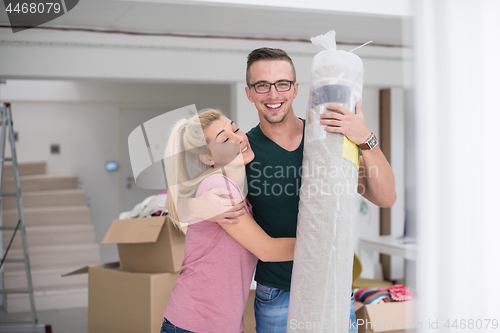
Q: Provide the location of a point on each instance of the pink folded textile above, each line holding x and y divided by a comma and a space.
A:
399, 293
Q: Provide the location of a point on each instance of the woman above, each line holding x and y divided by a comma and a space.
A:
219, 261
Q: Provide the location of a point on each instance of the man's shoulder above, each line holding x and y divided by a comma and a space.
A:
254, 131
255, 135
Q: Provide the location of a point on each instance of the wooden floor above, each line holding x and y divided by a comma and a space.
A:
61, 321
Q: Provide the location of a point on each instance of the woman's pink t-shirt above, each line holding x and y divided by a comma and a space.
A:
212, 290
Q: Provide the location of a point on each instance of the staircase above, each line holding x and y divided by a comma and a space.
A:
60, 239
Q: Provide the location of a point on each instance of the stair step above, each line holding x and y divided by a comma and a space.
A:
56, 255
52, 234
25, 168
48, 215
45, 277
64, 297
42, 182
47, 199
60, 238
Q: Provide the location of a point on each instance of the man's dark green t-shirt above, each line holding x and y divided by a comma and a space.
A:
274, 178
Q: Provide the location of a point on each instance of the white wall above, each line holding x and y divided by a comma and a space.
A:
398, 166
368, 220
456, 130
79, 55
367, 7
84, 118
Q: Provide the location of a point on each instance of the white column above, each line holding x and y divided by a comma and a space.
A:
457, 118
397, 164
244, 113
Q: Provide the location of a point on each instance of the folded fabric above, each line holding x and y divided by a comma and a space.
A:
361, 294
381, 296
372, 296
147, 207
399, 293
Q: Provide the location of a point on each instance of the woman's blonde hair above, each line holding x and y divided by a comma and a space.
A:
187, 140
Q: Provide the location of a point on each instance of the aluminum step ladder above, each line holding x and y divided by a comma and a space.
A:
29, 325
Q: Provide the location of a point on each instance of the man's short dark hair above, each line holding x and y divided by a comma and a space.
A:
267, 53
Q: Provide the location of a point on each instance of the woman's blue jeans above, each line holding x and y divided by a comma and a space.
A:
168, 327
271, 310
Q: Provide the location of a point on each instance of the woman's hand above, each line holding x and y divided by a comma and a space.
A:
215, 205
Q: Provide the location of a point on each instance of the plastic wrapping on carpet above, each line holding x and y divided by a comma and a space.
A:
322, 271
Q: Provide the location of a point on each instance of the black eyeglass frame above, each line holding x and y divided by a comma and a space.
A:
270, 85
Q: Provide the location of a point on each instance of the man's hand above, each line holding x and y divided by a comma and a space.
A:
352, 125
214, 205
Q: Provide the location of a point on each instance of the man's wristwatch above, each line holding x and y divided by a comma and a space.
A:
371, 143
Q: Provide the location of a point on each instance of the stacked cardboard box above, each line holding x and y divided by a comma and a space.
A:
147, 245
130, 296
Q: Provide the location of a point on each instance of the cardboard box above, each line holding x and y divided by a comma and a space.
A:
126, 302
394, 317
357, 305
147, 245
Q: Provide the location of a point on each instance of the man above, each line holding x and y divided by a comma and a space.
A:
278, 145
277, 142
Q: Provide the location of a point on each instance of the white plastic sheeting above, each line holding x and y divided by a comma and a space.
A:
322, 271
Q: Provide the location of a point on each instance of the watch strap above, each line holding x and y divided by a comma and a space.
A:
369, 144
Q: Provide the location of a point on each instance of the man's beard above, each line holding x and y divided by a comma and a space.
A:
275, 121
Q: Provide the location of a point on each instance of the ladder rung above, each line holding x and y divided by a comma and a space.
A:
14, 291
21, 325
13, 260
7, 228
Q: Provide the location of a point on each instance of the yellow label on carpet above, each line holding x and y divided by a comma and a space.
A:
350, 151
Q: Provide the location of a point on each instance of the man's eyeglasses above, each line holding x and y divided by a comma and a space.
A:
265, 87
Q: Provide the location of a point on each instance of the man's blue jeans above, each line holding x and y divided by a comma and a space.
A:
271, 310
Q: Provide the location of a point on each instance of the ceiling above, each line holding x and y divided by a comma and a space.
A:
201, 18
